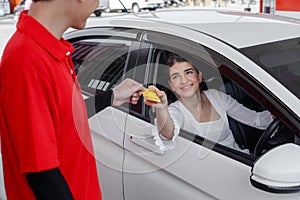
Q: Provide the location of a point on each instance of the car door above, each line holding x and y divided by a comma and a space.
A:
196, 168
102, 59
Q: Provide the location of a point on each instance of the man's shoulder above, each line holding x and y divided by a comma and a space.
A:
21, 55
20, 45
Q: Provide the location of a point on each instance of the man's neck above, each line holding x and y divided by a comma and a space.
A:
47, 14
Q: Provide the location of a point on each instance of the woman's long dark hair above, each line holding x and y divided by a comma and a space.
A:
175, 58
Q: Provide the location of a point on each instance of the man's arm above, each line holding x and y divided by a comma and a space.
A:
127, 91
49, 185
103, 99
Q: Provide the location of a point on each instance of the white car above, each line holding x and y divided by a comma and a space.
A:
134, 6
253, 57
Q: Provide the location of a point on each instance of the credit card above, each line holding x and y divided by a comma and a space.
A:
151, 95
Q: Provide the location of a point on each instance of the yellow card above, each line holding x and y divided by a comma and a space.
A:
151, 95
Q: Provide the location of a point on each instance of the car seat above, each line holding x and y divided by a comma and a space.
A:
245, 136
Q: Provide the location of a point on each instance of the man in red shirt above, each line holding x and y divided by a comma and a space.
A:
46, 143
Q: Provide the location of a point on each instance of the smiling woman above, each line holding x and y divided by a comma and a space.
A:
201, 112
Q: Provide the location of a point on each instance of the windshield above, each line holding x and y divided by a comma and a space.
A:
281, 60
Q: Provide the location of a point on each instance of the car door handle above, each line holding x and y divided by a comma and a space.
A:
146, 142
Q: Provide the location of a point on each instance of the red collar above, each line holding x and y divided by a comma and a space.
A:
59, 49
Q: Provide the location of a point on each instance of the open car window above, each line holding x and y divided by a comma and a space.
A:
221, 74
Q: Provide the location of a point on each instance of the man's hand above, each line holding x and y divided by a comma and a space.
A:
127, 91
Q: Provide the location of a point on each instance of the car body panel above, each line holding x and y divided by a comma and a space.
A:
107, 141
155, 174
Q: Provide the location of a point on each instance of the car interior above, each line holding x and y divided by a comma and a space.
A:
247, 137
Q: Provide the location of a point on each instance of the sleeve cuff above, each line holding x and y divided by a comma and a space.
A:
103, 99
163, 143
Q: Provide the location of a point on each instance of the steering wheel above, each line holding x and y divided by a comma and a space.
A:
272, 129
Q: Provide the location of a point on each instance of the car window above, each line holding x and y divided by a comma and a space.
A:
214, 79
221, 74
281, 59
99, 63
103, 63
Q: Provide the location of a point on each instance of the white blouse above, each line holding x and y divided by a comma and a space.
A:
218, 130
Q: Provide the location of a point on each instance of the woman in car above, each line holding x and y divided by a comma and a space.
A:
201, 112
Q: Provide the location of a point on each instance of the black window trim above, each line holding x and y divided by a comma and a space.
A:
247, 159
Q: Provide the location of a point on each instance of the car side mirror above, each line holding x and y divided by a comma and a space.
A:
278, 170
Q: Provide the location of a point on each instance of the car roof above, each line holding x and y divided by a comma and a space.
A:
239, 29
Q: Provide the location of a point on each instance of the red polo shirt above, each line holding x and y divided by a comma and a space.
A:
43, 118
